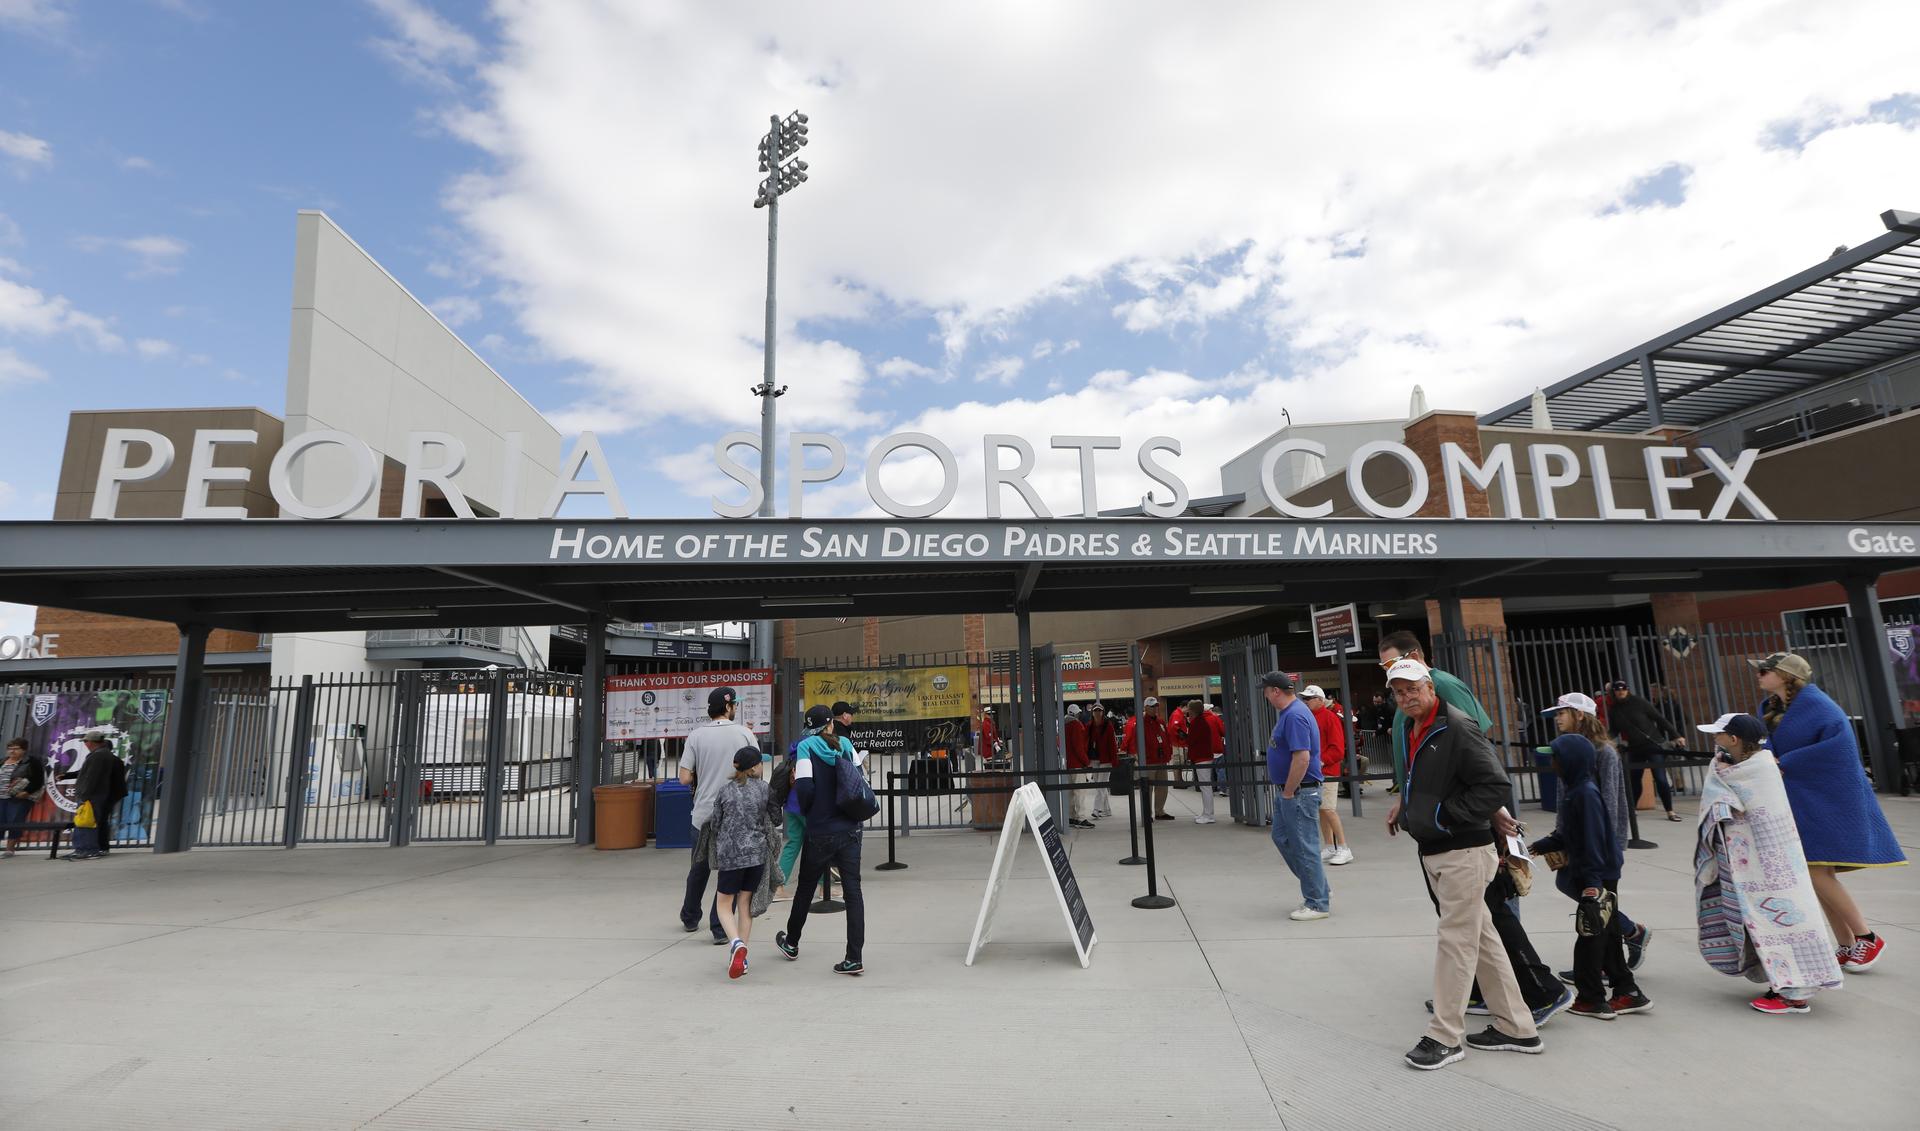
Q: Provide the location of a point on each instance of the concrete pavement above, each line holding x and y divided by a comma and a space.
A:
549, 986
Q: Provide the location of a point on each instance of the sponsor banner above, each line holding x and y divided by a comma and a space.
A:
892, 694
673, 704
905, 711
1188, 686
135, 722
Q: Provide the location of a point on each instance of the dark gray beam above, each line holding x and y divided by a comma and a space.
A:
1825, 269
537, 594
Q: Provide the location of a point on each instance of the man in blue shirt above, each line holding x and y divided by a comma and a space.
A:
1293, 765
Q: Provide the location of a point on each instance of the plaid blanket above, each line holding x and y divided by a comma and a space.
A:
1758, 916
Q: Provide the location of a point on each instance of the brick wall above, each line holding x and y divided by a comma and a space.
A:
97, 634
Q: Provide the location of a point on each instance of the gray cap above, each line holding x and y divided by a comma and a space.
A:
96, 736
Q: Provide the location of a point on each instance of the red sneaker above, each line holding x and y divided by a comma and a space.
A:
1862, 954
1771, 1002
738, 965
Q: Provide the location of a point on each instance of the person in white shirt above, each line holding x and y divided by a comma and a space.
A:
706, 764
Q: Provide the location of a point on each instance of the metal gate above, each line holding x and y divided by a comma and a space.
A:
1692, 674
1249, 719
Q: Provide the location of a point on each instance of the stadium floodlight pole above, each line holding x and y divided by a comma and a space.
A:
783, 139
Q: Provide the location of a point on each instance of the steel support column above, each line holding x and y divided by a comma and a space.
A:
1028, 708
1650, 382
1880, 700
587, 766
1453, 626
179, 765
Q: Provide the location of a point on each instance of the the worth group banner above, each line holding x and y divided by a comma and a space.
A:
900, 710
673, 704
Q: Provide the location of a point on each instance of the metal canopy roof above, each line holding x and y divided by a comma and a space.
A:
283, 576
1858, 309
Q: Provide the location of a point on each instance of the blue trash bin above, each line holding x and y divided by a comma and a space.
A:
1549, 784
672, 815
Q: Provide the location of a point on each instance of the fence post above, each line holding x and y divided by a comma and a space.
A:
297, 756
892, 863
406, 748
496, 771
1134, 805
1153, 900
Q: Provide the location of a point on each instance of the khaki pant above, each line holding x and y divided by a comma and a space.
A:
1469, 947
1080, 801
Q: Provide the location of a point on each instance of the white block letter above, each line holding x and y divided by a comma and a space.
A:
441, 475
114, 470
1416, 475
1166, 477
1087, 445
799, 474
949, 475
586, 450
1545, 479
201, 473
366, 473
739, 473
1603, 487
1270, 483
1660, 485
1456, 466
1015, 477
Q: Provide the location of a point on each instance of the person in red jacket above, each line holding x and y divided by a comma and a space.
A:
1202, 749
1158, 751
1074, 734
1218, 726
1103, 746
1177, 733
989, 735
1333, 763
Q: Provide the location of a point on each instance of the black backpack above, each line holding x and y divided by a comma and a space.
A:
851, 793
779, 786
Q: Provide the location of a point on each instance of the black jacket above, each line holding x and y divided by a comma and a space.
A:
1582, 828
97, 777
1455, 784
29, 777
1639, 722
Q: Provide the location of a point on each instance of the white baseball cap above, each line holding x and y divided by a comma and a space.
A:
1409, 669
1573, 700
1073, 708
1313, 692
1152, 702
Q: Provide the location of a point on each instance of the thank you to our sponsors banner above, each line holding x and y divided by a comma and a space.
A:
673, 704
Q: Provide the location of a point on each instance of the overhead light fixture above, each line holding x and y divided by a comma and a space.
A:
1233, 590
385, 614
803, 602
1659, 575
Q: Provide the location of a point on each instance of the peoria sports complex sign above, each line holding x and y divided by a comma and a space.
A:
135, 455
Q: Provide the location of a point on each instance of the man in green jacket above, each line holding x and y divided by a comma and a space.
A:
1396, 646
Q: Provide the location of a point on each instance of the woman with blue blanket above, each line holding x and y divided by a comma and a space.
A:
1840, 821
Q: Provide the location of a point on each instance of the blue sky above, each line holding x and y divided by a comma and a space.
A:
1070, 218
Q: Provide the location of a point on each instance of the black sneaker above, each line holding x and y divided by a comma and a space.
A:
1493, 1040
790, 949
1637, 947
1635, 1002
720, 938
850, 967
690, 927
1163, 816
1430, 1054
1475, 1006
1080, 824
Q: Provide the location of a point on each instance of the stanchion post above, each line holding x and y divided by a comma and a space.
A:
1133, 818
1153, 900
892, 864
1633, 822
826, 904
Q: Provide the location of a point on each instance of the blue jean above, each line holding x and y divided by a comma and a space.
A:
1296, 833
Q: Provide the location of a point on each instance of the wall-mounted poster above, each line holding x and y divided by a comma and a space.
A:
135, 722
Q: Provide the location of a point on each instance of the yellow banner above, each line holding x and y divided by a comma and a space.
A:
892, 694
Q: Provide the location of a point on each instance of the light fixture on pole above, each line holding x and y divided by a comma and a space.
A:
782, 140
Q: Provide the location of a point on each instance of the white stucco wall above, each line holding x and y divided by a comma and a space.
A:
366, 357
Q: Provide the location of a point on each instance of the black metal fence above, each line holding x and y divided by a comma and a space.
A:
365, 757
1691, 675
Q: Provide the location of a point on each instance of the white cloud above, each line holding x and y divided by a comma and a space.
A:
1002, 369
153, 255
1433, 215
425, 45
25, 149
17, 370
456, 310
895, 368
34, 15
153, 349
136, 164
29, 310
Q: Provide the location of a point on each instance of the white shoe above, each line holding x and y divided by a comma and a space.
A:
1203, 820
1341, 855
1326, 855
1307, 914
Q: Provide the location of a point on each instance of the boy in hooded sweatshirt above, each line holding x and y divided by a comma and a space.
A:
1590, 876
